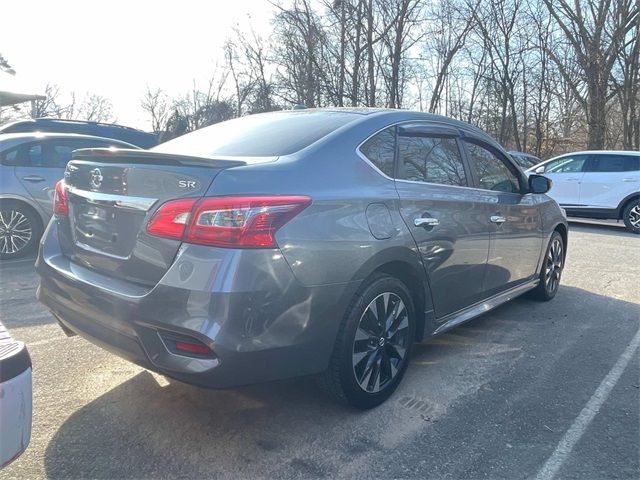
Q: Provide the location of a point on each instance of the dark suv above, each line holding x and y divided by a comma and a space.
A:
106, 130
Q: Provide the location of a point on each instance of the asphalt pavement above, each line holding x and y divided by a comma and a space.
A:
529, 390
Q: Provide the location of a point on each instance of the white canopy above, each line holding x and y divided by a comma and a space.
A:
13, 91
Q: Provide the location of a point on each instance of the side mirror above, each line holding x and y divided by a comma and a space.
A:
539, 184
540, 169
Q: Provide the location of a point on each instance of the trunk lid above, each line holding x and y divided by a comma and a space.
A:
112, 195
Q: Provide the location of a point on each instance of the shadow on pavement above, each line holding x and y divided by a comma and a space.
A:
142, 429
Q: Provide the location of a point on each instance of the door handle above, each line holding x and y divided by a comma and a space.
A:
497, 219
574, 179
426, 222
629, 179
33, 178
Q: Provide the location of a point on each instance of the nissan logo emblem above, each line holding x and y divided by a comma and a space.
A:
96, 178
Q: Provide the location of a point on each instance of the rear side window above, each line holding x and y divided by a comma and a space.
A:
35, 156
262, 135
614, 163
490, 171
11, 157
60, 154
431, 160
380, 150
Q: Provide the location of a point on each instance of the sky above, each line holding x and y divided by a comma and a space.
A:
116, 48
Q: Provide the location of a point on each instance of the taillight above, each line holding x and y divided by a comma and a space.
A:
170, 220
60, 204
239, 222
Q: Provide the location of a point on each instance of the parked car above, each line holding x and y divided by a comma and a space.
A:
597, 184
15, 398
107, 130
296, 243
525, 160
30, 166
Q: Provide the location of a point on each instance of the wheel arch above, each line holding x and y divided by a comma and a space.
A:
625, 201
562, 229
405, 265
29, 204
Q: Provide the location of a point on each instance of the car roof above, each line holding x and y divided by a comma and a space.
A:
49, 135
394, 114
49, 120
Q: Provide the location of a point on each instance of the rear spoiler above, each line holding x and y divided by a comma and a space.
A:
123, 155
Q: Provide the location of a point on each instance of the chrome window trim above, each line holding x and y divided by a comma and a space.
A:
380, 172
397, 124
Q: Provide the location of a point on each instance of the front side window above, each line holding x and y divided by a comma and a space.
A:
568, 164
490, 171
380, 150
431, 160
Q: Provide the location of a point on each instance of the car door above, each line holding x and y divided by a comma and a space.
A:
516, 225
444, 216
608, 179
566, 173
41, 166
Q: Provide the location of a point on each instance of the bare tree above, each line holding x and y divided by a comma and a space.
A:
453, 21
156, 104
50, 106
595, 31
400, 18
627, 88
243, 80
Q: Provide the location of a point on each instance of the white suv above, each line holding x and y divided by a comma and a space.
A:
596, 184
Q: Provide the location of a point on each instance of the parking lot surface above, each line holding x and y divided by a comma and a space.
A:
527, 390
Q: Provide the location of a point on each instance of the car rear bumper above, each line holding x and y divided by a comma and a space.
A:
245, 305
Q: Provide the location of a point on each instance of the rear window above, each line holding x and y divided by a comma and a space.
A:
266, 135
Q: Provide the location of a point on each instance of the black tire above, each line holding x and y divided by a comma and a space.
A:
384, 359
20, 229
550, 279
631, 216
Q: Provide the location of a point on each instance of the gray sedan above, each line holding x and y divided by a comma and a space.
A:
294, 243
30, 166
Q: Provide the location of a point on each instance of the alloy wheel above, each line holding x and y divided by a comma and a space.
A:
381, 342
634, 216
553, 265
15, 231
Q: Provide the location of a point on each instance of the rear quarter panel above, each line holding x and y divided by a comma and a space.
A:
330, 241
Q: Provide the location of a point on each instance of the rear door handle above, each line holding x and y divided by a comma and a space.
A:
629, 179
33, 178
574, 179
497, 219
426, 222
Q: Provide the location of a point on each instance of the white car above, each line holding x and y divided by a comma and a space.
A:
15, 398
596, 184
